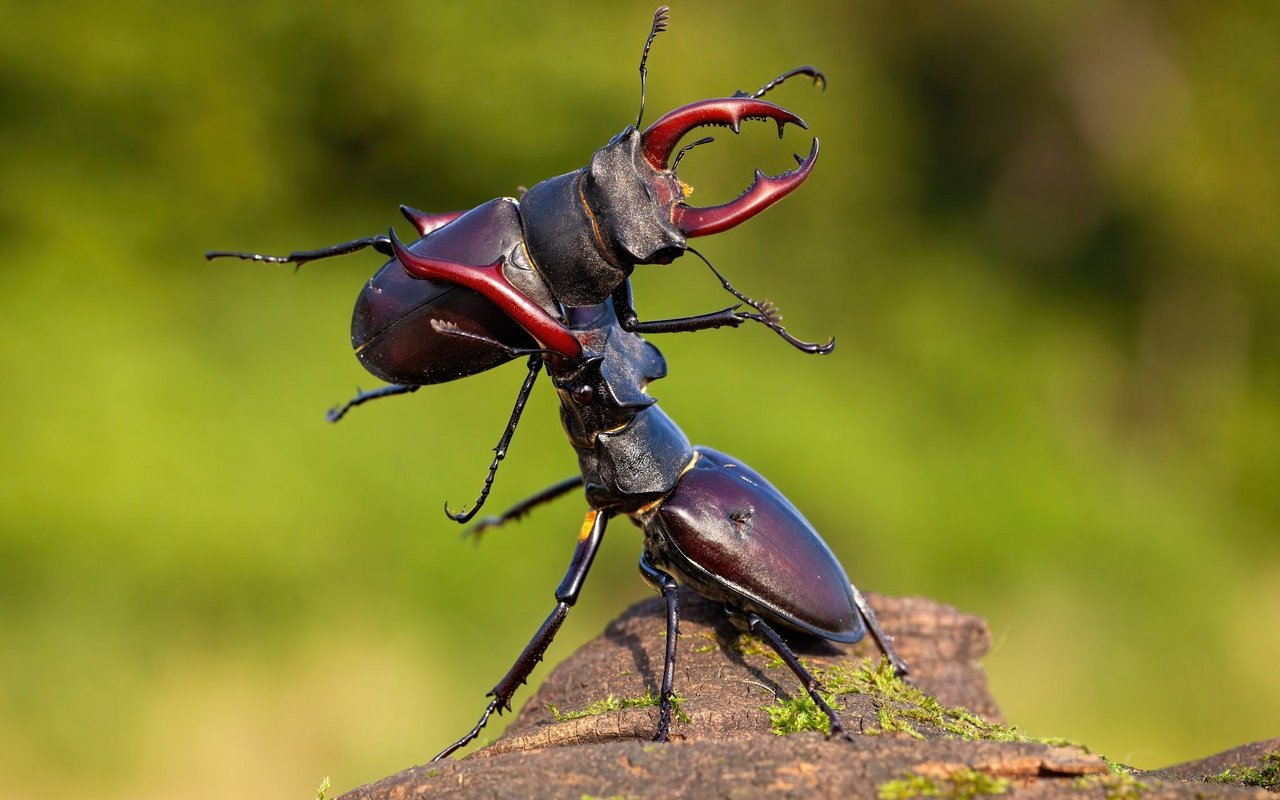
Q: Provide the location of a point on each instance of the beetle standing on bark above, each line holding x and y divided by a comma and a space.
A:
707, 518
570, 241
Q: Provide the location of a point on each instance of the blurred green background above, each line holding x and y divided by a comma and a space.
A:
1045, 236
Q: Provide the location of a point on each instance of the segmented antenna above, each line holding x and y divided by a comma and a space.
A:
659, 25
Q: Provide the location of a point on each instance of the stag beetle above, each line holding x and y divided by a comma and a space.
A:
569, 241
707, 518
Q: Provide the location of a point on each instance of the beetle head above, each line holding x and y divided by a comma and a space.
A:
636, 199
629, 203
587, 230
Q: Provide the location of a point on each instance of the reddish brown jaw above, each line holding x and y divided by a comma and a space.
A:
658, 142
660, 139
763, 192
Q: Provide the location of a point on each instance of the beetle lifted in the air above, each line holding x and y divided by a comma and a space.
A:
569, 241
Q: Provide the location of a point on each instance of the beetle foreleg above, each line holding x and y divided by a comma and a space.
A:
811, 685
566, 595
767, 314
769, 318
338, 412
381, 243
666, 585
625, 309
729, 317
500, 451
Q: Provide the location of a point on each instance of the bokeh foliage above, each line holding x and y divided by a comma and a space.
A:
1045, 236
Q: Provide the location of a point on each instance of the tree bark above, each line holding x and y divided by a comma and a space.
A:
899, 743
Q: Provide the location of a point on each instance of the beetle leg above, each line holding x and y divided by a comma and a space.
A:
771, 318
811, 685
500, 451
666, 586
524, 506
338, 412
729, 317
566, 595
381, 243
625, 309
883, 639
819, 80
768, 314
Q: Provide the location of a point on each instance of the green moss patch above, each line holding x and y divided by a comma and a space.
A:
1117, 785
750, 645
900, 708
791, 715
611, 703
1266, 776
962, 784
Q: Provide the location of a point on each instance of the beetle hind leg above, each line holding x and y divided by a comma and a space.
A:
883, 639
811, 684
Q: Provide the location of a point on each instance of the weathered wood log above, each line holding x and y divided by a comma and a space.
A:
586, 730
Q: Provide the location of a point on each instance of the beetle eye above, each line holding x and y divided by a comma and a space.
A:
666, 255
583, 394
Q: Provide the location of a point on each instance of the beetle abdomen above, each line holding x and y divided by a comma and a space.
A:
730, 532
395, 328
